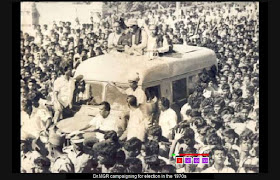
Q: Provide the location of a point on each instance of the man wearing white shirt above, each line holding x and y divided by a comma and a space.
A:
31, 125
165, 18
134, 89
153, 20
114, 37
168, 117
238, 125
77, 24
45, 30
249, 123
155, 43
64, 87
140, 20
172, 21
32, 32
104, 121
150, 14
183, 111
137, 124
219, 156
137, 38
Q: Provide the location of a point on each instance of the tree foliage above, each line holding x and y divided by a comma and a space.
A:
137, 6
125, 7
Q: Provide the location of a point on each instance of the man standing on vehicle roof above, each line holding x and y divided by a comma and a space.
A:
137, 38
113, 39
156, 43
134, 89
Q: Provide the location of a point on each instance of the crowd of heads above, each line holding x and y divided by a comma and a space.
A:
223, 113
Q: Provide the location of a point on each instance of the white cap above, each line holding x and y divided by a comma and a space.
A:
131, 22
134, 77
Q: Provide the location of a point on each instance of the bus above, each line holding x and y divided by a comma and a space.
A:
171, 75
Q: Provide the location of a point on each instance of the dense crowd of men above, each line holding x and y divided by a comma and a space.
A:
221, 116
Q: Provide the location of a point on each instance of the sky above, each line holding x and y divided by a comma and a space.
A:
62, 11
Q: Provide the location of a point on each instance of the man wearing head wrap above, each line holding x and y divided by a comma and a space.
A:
60, 163
76, 153
136, 37
133, 89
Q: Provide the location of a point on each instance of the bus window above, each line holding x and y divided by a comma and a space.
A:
97, 91
153, 91
179, 88
116, 99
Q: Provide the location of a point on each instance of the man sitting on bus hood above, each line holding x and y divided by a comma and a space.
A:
104, 121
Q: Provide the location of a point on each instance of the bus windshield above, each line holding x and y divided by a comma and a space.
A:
97, 91
116, 99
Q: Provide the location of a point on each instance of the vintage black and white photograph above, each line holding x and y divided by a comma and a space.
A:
139, 87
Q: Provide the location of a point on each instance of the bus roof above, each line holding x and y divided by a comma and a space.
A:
118, 67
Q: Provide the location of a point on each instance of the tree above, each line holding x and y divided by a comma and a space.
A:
124, 6
154, 5
167, 4
128, 6
137, 6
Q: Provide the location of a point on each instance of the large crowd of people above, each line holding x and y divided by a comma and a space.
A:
221, 116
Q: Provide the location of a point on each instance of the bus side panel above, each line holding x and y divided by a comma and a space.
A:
166, 90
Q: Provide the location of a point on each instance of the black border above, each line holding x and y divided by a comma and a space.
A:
16, 89
263, 53
14, 134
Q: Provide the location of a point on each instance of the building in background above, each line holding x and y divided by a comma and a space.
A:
29, 15
47, 12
